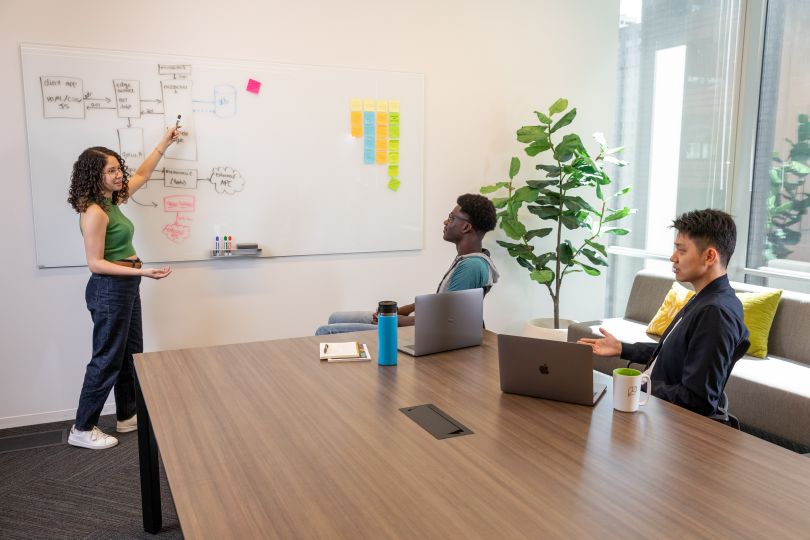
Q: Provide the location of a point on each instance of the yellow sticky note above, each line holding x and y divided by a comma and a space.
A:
381, 157
393, 157
369, 105
382, 119
357, 105
393, 145
393, 184
357, 123
393, 106
382, 106
393, 118
382, 132
393, 131
393, 170
382, 145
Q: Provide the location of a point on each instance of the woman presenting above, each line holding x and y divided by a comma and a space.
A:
98, 185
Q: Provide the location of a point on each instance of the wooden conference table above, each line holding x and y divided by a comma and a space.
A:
263, 440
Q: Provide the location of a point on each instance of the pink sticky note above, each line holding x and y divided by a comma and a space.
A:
253, 86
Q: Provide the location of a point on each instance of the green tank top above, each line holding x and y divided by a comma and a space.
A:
120, 230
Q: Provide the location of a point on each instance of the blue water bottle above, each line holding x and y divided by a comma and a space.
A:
387, 333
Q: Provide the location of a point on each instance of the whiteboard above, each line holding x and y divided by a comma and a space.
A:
279, 166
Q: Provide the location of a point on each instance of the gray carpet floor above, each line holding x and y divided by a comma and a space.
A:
66, 492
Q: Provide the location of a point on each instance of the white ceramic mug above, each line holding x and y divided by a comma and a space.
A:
627, 389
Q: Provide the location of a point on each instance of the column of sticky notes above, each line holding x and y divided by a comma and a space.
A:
377, 122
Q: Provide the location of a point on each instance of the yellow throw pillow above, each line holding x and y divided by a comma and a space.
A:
759, 310
677, 297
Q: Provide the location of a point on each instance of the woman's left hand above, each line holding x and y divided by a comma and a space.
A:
156, 273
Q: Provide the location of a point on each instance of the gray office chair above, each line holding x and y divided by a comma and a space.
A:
723, 416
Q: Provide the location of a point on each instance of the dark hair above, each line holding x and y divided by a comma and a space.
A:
481, 211
709, 228
85, 180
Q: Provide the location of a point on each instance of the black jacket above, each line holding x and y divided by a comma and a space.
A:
697, 350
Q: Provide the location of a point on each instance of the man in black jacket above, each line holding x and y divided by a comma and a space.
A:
691, 364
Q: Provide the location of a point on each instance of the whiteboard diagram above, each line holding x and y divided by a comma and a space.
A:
67, 97
278, 167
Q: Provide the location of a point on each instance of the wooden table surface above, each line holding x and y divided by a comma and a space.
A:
263, 440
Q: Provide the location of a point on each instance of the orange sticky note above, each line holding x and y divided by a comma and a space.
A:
382, 132
382, 119
381, 157
382, 145
357, 123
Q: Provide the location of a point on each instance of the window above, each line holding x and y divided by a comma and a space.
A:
675, 107
779, 228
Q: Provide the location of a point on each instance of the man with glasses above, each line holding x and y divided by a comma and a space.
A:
465, 226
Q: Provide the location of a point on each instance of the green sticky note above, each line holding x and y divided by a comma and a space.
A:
393, 145
393, 170
393, 184
393, 131
393, 158
393, 118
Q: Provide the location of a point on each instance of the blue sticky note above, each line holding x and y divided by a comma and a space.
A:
369, 143
368, 156
369, 118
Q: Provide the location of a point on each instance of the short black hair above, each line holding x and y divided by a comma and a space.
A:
708, 228
481, 211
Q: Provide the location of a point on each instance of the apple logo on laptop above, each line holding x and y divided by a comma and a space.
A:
544, 369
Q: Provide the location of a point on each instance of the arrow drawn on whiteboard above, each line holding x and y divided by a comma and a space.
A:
88, 98
153, 204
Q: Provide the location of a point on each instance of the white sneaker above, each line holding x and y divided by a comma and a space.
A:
125, 426
95, 439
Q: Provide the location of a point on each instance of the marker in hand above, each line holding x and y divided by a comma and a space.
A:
177, 123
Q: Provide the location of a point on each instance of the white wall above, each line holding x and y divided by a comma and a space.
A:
487, 66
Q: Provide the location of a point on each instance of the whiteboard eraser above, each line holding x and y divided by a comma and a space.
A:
247, 246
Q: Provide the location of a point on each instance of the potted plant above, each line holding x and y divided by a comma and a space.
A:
555, 204
787, 199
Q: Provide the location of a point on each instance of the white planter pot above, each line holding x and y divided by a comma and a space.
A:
544, 328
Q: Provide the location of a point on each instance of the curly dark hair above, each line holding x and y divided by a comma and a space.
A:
86, 178
709, 228
481, 211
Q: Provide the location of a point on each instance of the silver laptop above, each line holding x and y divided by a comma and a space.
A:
548, 369
447, 321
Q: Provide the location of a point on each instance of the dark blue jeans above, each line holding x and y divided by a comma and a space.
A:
115, 306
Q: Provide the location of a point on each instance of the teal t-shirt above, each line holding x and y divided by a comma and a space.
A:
469, 273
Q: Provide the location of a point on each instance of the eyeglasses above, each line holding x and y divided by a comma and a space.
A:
451, 217
112, 171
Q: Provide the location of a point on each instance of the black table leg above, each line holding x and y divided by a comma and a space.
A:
150, 472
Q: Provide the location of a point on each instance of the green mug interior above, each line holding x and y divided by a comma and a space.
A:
627, 372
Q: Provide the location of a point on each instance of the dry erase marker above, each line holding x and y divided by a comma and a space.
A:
216, 245
177, 123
